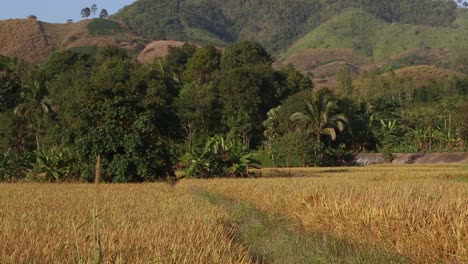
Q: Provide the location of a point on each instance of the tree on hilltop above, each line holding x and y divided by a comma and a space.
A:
93, 9
104, 14
85, 12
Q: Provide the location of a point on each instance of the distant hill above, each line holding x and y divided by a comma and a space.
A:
274, 23
33, 40
318, 37
363, 41
378, 39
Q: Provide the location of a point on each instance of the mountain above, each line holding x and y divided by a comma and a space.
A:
317, 36
33, 40
364, 41
274, 23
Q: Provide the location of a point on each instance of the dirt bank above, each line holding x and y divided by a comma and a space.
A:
413, 158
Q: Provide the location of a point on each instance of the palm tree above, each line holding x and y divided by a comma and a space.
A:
321, 117
33, 108
361, 125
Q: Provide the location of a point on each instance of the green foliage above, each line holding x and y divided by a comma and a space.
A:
202, 65
247, 93
9, 89
198, 109
89, 50
461, 119
320, 117
104, 27
390, 134
294, 81
126, 120
345, 82
220, 158
12, 166
55, 165
245, 53
294, 149
55, 119
175, 63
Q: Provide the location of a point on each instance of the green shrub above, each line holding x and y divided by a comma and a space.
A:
13, 167
54, 165
219, 157
104, 27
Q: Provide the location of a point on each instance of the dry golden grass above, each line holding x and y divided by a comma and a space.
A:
33, 41
159, 48
149, 223
23, 38
417, 211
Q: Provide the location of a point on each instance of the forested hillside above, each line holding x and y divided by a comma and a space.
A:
275, 24
364, 41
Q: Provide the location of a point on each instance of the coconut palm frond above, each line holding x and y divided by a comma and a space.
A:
329, 132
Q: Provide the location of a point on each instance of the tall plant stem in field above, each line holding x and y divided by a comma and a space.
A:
97, 235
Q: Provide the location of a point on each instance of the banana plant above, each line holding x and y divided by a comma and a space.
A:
54, 165
220, 157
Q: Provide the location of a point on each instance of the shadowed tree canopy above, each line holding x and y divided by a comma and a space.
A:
245, 53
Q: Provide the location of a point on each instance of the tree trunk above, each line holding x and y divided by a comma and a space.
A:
98, 172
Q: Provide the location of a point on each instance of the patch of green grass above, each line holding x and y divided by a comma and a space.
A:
274, 239
461, 179
200, 35
264, 159
91, 50
104, 27
462, 19
353, 29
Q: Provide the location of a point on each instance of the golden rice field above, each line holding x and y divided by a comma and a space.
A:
417, 212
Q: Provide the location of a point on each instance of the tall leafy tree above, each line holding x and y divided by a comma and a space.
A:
245, 53
126, 120
202, 65
292, 81
345, 81
33, 108
176, 60
361, 132
247, 94
199, 111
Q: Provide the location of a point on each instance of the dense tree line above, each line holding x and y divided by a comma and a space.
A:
207, 111
138, 118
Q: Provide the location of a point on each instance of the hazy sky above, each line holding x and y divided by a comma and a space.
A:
56, 11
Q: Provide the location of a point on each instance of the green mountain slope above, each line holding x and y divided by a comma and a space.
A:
369, 36
274, 23
462, 19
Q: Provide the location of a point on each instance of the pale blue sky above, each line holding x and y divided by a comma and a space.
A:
56, 11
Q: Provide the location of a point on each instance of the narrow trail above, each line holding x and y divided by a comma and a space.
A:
274, 239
